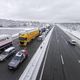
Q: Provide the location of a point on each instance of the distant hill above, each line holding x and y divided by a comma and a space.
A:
72, 26
12, 23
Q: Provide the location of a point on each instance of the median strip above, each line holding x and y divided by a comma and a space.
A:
31, 71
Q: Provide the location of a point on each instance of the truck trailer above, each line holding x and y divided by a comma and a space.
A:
26, 37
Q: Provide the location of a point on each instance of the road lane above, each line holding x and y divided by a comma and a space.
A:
53, 66
5, 73
70, 58
63, 60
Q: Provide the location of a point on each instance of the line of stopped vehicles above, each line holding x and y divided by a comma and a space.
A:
7, 49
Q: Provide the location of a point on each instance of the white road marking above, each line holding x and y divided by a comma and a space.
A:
57, 40
44, 61
78, 61
66, 42
62, 59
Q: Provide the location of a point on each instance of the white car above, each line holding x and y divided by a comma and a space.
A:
18, 59
72, 42
40, 38
8, 52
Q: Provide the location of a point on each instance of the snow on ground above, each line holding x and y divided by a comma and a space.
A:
19, 28
75, 33
11, 31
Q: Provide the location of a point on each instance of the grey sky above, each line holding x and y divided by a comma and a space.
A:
42, 10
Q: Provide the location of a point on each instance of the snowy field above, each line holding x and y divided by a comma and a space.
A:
12, 31
71, 26
73, 32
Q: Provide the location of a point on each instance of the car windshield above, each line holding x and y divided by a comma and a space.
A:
20, 38
17, 58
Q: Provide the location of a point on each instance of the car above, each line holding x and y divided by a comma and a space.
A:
18, 59
7, 52
72, 42
40, 38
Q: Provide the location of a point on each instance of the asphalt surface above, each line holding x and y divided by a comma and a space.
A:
62, 61
5, 73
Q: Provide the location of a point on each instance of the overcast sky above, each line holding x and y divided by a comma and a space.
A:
42, 10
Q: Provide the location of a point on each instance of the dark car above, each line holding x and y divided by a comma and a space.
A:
8, 52
72, 42
17, 59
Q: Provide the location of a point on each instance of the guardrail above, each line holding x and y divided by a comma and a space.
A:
31, 71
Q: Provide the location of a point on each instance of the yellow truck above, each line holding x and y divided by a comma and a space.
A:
24, 38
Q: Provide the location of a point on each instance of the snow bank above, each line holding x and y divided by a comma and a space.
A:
74, 33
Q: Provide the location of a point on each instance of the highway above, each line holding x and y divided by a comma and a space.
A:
61, 61
5, 73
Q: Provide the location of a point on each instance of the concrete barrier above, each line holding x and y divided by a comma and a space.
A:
31, 71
